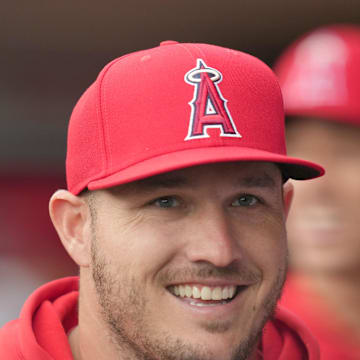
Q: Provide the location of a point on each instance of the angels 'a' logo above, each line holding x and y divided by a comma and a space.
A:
208, 107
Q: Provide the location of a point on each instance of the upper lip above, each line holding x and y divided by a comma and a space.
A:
211, 282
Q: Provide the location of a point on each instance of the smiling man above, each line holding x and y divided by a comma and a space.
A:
175, 213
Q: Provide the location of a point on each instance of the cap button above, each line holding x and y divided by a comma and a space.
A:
168, 42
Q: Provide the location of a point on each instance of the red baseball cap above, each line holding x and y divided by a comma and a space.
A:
319, 74
175, 106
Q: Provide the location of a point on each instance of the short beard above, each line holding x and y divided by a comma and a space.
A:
124, 312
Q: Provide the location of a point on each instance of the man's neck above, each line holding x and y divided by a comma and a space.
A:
74, 344
84, 349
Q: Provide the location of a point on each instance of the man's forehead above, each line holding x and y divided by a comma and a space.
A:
247, 174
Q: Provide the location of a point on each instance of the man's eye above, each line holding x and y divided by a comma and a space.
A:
166, 202
245, 200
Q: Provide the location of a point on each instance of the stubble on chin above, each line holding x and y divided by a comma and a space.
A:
123, 309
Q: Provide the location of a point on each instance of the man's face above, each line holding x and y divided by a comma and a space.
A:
189, 264
324, 222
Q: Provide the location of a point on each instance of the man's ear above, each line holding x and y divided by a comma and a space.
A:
71, 218
288, 193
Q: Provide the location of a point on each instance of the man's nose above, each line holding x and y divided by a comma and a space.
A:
212, 239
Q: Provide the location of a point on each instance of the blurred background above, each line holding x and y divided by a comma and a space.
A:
51, 51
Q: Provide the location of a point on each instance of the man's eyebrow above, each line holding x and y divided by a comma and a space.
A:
263, 181
169, 181
152, 183
163, 181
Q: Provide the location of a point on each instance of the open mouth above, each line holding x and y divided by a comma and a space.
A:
201, 295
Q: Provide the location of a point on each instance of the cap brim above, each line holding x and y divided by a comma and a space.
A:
291, 167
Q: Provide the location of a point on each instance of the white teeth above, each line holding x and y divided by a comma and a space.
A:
205, 292
188, 291
216, 294
232, 290
225, 293
196, 293
182, 291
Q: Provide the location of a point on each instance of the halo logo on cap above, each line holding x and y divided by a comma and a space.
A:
208, 106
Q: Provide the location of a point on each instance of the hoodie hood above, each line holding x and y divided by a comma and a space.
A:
51, 312
287, 337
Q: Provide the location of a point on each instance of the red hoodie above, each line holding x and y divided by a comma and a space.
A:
50, 313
